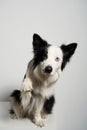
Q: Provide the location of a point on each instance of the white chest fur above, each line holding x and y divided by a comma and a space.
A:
46, 88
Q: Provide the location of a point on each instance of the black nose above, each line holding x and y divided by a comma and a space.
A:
48, 69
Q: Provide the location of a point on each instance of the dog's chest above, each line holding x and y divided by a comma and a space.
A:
45, 88
44, 91
47, 92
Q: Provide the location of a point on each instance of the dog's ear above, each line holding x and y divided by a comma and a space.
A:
68, 51
38, 42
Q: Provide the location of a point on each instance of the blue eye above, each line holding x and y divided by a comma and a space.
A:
57, 59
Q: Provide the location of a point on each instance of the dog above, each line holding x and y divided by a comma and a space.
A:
36, 99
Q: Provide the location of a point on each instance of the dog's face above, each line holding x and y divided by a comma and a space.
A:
49, 58
52, 62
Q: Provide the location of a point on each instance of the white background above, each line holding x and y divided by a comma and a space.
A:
57, 21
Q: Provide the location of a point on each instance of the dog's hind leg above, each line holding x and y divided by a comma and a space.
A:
16, 108
48, 106
12, 114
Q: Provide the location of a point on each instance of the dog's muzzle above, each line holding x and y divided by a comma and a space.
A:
48, 69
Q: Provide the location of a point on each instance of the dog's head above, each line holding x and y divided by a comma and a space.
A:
49, 58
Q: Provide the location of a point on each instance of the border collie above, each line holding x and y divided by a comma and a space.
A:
36, 98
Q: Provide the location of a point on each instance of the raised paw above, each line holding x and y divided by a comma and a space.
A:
27, 86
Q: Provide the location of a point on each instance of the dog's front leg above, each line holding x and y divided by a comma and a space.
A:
26, 92
37, 119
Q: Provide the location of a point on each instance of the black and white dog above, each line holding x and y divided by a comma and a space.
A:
36, 97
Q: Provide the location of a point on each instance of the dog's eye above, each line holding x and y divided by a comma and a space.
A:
44, 57
57, 59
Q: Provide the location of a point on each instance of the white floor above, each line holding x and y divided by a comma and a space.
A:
7, 123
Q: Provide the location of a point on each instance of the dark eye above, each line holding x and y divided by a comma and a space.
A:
44, 57
57, 59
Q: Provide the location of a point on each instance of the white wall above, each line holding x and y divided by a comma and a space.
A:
57, 21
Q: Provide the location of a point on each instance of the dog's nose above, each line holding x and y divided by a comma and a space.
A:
48, 69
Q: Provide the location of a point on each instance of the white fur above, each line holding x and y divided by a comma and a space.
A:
41, 84
38, 85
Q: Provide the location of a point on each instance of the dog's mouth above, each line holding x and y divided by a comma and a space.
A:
46, 74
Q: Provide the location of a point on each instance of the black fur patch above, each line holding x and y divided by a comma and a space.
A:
48, 105
38, 43
24, 76
40, 56
16, 94
68, 51
11, 111
40, 48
